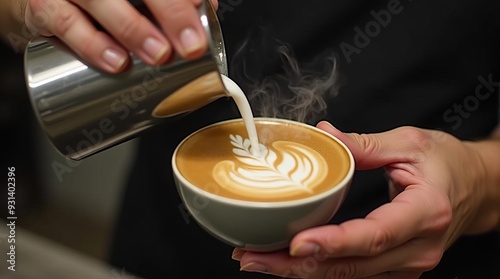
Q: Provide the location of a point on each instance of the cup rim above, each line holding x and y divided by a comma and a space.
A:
268, 204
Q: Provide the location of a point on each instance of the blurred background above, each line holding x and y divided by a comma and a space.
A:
65, 219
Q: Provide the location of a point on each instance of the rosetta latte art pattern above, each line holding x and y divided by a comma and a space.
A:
284, 169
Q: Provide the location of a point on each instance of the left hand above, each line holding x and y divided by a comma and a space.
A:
438, 193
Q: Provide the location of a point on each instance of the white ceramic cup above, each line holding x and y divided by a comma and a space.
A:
261, 226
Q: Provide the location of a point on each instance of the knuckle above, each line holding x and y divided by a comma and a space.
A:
42, 5
174, 12
442, 215
419, 138
342, 270
177, 8
369, 143
129, 28
332, 245
421, 142
40, 14
380, 242
411, 133
65, 20
430, 259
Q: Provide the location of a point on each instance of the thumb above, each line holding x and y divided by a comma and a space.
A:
377, 150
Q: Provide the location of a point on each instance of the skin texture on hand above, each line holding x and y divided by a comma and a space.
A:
126, 29
12, 23
441, 188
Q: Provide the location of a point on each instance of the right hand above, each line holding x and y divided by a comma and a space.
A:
180, 29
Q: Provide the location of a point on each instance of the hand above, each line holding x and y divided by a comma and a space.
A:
438, 190
127, 29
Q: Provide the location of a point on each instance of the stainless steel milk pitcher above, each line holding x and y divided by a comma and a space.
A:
84, 111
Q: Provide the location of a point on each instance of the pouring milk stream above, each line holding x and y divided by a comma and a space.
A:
241, 101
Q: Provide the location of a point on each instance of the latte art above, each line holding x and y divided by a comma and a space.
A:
283, 169
294, 161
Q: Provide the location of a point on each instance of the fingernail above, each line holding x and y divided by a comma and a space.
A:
190, 40
237, 256
114, 59
304, 249
254, 267
154, 48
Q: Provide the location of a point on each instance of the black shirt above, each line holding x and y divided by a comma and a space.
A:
430, 64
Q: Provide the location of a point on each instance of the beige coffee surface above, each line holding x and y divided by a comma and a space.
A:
295, 162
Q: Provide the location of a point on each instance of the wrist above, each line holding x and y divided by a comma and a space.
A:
488, 152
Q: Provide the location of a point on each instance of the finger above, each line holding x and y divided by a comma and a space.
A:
181, 23
379, 149
409, 259
129, 27
36, 19
215, 3
398, 177
415, 212
74, 28
277, 263
394, 190
237, 254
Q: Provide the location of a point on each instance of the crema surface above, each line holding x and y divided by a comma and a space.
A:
295, 162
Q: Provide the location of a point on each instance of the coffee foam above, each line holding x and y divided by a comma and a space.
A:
295, 162
284, 169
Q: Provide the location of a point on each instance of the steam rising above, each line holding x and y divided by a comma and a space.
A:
297, 92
